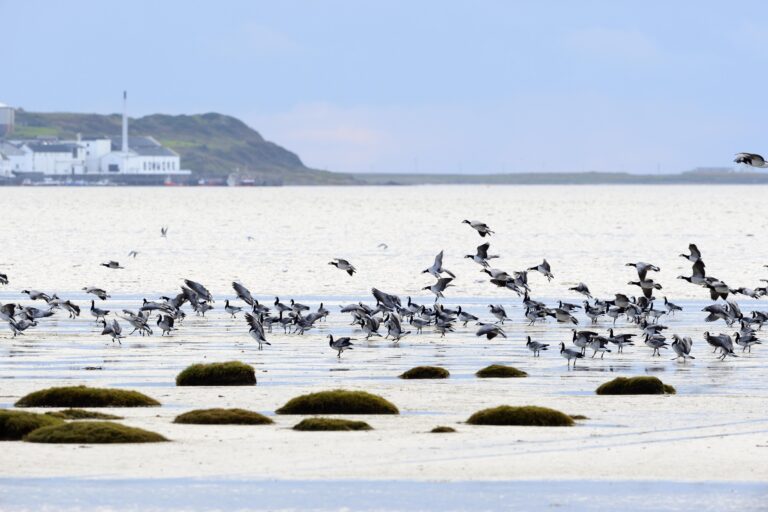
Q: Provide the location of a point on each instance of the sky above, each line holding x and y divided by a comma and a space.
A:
426, 86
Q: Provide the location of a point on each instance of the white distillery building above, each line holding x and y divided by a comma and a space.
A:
134, 157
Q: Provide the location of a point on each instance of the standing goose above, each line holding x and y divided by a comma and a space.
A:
232, 310
466, 317
545, 269
535, 346
570, 354
257, 330
620, 340
298, 307
745, 339
682, 347
481, 257
437, 267
344, 265
481, 227
340, 344
280, 307
671, 308
111, 264
723, 342
98, 312
165, 323
656, 342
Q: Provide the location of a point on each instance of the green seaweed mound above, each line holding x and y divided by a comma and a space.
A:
635, 386
222, 417
498, 371
14, 425
338, 401
527, 415
82, 396
92, 432
330, 424
426, 372
442, 430
231, 373
82, 414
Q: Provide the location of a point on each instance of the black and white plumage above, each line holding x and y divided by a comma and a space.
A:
535, 346
481, 255
113, 329
656, 342
439, 287
256, 330
695, 254
3, 278
582, 289
481, 227
164, 231
98, 312
643, 268
244, 294
647, 285
698, 274
165, 323
498, 311
490, 331
570, 354
232, 310
721, 342
544, 269
340, 344
199, 289
437, 267
111, 264
671, 308
36, 295
465, 317
682, 347
344, 265
751, 159
100, 293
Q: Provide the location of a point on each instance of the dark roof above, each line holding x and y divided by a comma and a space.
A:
53, 148
7, 148
144, 146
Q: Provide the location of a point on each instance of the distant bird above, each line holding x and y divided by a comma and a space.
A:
101, 294
437, 267
682, 347
439, 287
643, 268
544, 269
344, 265
383, 246
570, 354
164, 231
751, 159
111, 264
481, 256
133, 254
249, 238
490, 331
232, 310
695, 253
3, 278
535, 346
340, 344
582, 289
257, 330
481, 227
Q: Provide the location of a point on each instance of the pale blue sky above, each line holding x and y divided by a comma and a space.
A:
432, 86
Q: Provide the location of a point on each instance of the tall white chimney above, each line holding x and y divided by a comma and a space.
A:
125, 121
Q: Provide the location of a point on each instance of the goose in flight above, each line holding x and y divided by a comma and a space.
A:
36, 295
101, 294
695, 254
133, 254
698, 275
751, 159
439, 287
437, 267
344, 265
647, 285
643, 268
244, 294
164, 231
582, 289
490, 331
481, 256
383, 246
722, 342
3, 278
111, 264
481, 227
199, 289
340, 344
544, 269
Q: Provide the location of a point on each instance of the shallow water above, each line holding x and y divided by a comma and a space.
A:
714, 429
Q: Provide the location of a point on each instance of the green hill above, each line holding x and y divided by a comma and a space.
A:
212, 145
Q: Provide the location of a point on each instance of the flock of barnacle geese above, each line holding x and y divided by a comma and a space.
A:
395, 320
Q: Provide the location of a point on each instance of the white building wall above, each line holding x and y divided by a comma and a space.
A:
95, 150
136, 164
57, 163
